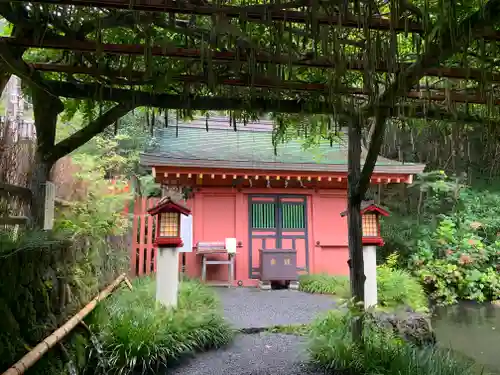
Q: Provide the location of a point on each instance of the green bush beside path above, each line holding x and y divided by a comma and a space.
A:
137, 333
382, 353
396, 287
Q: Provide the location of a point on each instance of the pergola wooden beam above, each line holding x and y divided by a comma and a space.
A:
160, 100
164, 51
232, 57
265, 83
250, 13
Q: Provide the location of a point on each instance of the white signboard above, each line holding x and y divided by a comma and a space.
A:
231, 245
186, 234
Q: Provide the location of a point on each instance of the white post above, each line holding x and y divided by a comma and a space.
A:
167, 276
49, 206
370, 261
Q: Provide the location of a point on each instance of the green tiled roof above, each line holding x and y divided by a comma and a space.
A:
252, 149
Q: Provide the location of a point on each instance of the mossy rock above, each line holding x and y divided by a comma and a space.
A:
413, 327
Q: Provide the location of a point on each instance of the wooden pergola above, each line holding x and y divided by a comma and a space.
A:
343, 60
261, 14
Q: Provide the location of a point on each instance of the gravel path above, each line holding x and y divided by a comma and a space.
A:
254, 308
259, 354
262, 353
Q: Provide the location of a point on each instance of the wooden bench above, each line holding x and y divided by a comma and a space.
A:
205, 249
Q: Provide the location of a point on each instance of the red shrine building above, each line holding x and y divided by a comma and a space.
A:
242, 189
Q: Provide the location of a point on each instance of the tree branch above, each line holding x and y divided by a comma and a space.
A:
22, 29
449, 42
112, 21
84, 135
17, 16
21, 69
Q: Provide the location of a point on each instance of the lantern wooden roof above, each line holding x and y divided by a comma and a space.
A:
166, 204
369, 206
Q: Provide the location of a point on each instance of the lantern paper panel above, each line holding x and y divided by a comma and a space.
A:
370, 225
169, 224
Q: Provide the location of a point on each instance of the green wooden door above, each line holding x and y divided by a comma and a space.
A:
277, 222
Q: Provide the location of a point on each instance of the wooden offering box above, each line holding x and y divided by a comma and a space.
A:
278, 265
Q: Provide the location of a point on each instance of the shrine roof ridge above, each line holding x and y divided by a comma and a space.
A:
191, 145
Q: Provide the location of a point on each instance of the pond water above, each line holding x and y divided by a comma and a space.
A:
471, 329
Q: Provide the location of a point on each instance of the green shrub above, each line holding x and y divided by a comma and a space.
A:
395, 287
325, 284
332, 348
137, 333
448, 237
458, 261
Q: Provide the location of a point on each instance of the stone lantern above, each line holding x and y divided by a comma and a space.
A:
370, 215
168, 240
371, 238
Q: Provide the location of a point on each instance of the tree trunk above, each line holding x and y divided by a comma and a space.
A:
357, 275
46, 108
39, 176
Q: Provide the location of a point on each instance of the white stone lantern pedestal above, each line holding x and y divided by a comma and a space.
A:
167, 276
370, 266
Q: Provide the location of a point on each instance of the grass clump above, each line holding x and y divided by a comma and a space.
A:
325, 284
291, 329
395, 287
398, 287
134, 333
382, 352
